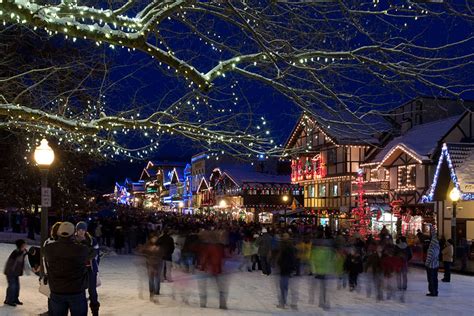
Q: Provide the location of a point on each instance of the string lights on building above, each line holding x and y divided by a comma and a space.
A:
452, 172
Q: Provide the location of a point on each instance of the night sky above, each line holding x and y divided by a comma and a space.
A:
150, 82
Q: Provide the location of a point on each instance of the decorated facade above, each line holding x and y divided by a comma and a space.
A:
325, 160
396, 160
167, 185
129, 193
454, 169
399, 176
243, 193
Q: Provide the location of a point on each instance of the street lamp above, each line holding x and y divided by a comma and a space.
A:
454, 195
285, 199
44, 157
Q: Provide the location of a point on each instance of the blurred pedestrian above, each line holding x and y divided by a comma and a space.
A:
247, 251
354, 267
447, 254
465, 252
264, 244
119, 240
322, 267
404, 252
166, 243
211, 258
432, 264
341, 275
13, 271
82, 236
389, 265
304, 255
375, 272
287, 265
154, 265
98, 233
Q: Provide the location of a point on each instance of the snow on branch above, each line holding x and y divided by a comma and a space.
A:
342, 56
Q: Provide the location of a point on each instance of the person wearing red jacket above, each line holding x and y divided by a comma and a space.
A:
211, 258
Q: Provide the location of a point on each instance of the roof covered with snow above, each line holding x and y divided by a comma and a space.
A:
462, 158
422, 139
243, 175
343, 127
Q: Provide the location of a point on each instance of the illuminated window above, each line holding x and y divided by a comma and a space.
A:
335, 190
322, 190
407, 176
374, 175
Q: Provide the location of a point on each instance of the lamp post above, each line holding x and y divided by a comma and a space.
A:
285, 199
454, 195
44, 157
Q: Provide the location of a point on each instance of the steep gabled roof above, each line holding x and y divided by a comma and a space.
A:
203, 185
421, 140
343, 129
241, 176
459, 158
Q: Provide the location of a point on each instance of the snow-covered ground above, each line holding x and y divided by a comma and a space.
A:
124, 291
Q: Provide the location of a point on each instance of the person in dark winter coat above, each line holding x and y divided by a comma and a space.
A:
354, 267
119, 239
13, 271
403, 251
67, 273
166, 243
375, 270
264, 244
34, 258
83, 237
154, 265
287, 265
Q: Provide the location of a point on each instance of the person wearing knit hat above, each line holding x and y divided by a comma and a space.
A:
66, 230
81, 226
65, 261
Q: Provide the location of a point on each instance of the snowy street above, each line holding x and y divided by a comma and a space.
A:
124, 291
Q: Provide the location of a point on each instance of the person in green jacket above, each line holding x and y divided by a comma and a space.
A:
322, 266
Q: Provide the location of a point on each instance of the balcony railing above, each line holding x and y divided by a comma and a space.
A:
371, 187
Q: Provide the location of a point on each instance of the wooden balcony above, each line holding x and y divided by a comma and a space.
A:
373, 187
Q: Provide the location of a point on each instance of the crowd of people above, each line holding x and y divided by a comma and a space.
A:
201, 245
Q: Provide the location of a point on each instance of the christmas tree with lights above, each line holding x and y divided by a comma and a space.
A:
362, 222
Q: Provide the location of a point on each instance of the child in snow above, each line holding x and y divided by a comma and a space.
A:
13, 271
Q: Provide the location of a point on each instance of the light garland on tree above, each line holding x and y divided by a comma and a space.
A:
362, 215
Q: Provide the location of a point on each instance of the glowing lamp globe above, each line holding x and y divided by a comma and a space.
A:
44, 155
181, 204
455, 195
285, 198
223, 204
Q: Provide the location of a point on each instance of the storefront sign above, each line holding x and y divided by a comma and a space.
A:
467, 187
